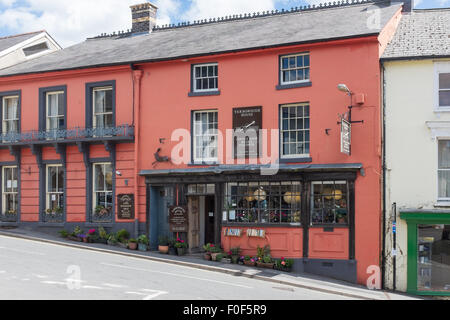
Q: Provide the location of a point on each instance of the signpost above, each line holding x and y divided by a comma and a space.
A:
346, 136
178, 219
126, 206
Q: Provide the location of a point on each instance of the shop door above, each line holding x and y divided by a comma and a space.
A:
209, 213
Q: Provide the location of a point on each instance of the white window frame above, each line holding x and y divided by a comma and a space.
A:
94, 114
282, 82
194, 78
294, 156
440, 67
94, 191
48, 118
5, 193
48, 193
4, 121
195, 135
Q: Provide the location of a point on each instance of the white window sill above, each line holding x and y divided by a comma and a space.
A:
441, 109
444, 203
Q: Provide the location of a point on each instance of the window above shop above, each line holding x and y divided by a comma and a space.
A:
294, 71
205, 79
205, 137
444, 170
442, 86
295, 131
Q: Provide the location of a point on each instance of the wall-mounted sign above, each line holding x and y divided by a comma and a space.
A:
178, 219
246, 125
346, 137
257, 233
232, 232
125, 206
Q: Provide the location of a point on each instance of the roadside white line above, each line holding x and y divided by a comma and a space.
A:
176, 275
111, 285
54, 282
23, 251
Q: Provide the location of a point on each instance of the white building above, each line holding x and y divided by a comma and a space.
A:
416, 82
22, 47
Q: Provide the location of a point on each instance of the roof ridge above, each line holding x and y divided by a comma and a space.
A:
21, 34
247, 16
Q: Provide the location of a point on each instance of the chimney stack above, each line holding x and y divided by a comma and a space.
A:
143, 17
408, 6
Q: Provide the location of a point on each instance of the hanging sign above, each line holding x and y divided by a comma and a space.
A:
246, 125
178, 219
125, 206
346, 136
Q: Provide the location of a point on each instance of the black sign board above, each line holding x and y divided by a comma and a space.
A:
126, 206
178, 219
246, 125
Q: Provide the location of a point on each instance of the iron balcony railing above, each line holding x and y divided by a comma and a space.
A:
122, 132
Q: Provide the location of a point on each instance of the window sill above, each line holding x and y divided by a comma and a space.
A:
202, 164
295, 160
204, 94
294, 85
442, 204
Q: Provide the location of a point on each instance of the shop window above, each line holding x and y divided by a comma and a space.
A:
55, 190
263, 202
205, 77
10, 122
205, 136
294, 68
330, 202
444, 170
103, 107
201, 189
9, 191
295, 131
55, 111
102, 192
433, 258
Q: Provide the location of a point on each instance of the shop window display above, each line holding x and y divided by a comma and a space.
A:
330, 202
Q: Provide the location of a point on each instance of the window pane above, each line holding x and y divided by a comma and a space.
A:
197, 72
307, 74
108, 101
60, 178
99, 178
306, 61
444, 81
444, 184
99, 98
292, 62
444, 98
285, 63
444, 154
108, 177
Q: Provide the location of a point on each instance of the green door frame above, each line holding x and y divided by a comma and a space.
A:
413, 219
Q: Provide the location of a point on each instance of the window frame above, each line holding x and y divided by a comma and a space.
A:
58, 194
90, 105
94, 191
4, 193
294, 157
440, 67
348, 201
440, 200
4, 121
47, 117
194, 158
281, 69
194, 78
103, 114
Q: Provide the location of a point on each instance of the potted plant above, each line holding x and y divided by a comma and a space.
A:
341, 218
132, 244
215, 251
102, 236
249, 261
91, 236
74, 236
63, 233
172, 249
219, 257
143, 242
181, 247
83, 237
265, 262
163, 245
235, 254
284, 264
112, 240
101, 210
122, 238
207, 248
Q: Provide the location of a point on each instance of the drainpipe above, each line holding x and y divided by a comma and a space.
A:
383, 258
137, 76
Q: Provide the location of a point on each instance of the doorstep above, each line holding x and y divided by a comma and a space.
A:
306, 281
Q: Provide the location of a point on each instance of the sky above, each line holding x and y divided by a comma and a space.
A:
72, 21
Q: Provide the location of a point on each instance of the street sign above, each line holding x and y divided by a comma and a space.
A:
346, 136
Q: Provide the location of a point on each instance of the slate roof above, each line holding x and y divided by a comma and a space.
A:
421, 34
10, 41
303, 26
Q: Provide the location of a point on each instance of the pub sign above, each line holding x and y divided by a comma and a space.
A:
178, 219
126, 206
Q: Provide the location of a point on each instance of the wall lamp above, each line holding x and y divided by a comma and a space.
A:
343, 88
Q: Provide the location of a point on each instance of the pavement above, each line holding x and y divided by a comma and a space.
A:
304, 280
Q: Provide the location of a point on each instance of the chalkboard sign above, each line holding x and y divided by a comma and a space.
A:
125, 206
178, 219
246, 125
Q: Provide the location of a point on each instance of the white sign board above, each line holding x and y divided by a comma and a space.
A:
346, 137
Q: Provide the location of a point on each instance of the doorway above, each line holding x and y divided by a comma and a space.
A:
209, 218
202, 217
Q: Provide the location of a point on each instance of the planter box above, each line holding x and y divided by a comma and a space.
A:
283, 269
207, 256
74, 238
172, 251
265, 265
249, 263
181, 251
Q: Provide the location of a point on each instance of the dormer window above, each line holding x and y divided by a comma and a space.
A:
38, 48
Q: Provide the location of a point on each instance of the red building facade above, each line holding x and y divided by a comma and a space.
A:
78, 133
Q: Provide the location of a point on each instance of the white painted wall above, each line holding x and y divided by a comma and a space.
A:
411, 151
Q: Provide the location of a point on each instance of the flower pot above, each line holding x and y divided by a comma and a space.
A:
132, 245
265, 265
163, 249
181, 251
172, 251
85, 240
235, 259
207, 256
142, 247
214, 256
249, 263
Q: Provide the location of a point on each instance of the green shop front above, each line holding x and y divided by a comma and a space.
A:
428, 259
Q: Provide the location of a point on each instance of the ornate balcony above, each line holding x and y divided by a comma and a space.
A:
69, 136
